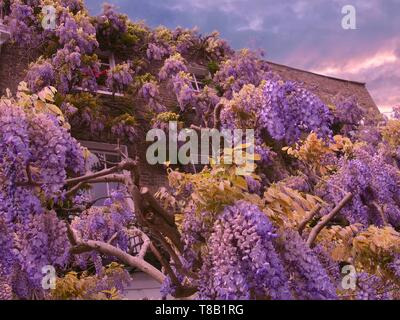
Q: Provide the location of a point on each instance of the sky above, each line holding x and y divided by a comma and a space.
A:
305, 34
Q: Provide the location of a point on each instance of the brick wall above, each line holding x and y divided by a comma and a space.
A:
13, 64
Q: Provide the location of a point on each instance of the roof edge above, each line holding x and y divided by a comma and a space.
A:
317, 74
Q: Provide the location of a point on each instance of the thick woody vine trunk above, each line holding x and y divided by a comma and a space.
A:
150, 215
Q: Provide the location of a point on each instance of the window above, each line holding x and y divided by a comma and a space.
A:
199, 75
198, 82
4, 33
103, 156
107, 62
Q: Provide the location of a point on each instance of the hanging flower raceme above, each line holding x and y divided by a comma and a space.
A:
77, 30
184, 39
40, 74
119, 77
242, 262
67, 61
155, 52
22, 24
291, 110
374, 184
151, 94
309, 280
36, 153
116, 23
183, 89
216, 47
243, 112
245, 67
103, 224
160, 44
125, 127
172, 66
112, 29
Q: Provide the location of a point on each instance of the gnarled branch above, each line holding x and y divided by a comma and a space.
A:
324, 221
127, 164
308, 218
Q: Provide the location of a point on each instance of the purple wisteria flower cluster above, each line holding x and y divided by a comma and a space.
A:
309, 279
242, 262
119, 77
150, 93
40, 75
172, 66
34, 148
291, 110
374, 184
104, 224
245, 67
22, 24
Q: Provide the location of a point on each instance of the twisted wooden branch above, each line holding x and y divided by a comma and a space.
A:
79, 246
308, 218
149, 214
324, 221
217, 115
127, 164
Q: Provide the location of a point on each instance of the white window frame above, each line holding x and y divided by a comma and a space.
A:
135, 241
4, 33
196, 72
195, 83
111, 64
104, 149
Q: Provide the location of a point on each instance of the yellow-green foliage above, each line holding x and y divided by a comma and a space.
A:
125, 119
288, 207
213, 188
83, 100
218, 186
166, 117
163, 33
369, 250
83, 286
42, 102
312, 151
391, 133
136, 31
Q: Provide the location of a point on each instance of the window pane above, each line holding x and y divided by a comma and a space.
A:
100, 162
99, 190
